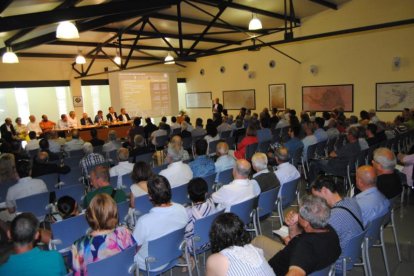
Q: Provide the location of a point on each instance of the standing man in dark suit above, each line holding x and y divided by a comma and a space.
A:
111, 116
86, 121
124, 117
8, 133
217, 107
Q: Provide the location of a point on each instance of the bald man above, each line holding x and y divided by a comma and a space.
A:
224, 160
239, 190
372, 202
42, 166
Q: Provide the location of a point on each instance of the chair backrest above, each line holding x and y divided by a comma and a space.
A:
187, 143
212, 147
50, 180
112, 157
340, 141
311, 151
165, 249
288, 192
267, 202
4, 188
264, 146
225, 177
176, 131
113, 180
180, 194
66, 232
320, 148
142, 204
373, 229
250, 150
75, 191
323, 272
330, 145
276, 134
127, 181
210, 181
33, 153
244, 209
72, 177
225, 134
352, 250
123, 208
202, 229
146, 157
36, 204
76, 153
156, 170
297, 156
161, 141
284, 134
72, 162
98, 149
120, 264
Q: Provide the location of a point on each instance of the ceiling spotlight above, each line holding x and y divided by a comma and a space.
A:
117, 59
10, 57
80, 59
255, 23
67, 30
169, 59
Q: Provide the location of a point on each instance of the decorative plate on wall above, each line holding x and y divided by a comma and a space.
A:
202, 72
222, 69
272, 64
245, 67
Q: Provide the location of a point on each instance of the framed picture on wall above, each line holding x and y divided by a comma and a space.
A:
394, 96
77, 101
236, 99
328, 97
277, 96
198, 100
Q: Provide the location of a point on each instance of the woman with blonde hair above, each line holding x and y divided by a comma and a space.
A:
105, 237
7, 168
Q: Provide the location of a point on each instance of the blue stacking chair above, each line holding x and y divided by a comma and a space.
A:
123, 208
250, 150
244, 210
267, 201
146, 157
36, 204
127, 181
166, 250
113, 180
142, 205
201, 236
120, 264
75, 191
180, 194
212, 147
225, 177
50, 180
66, 232
327, 271
210, 181
156, 170
287, 196
73, 177
4, 188
76, 153
72, 162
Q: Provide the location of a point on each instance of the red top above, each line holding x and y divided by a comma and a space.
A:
241, 147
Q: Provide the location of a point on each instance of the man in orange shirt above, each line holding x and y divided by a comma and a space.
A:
46, 125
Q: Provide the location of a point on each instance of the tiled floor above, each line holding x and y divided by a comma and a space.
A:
404, 218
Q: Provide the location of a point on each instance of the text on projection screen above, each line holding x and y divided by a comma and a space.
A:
145, 94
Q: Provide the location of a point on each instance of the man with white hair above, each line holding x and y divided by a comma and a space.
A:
123, 167
388, 180
285, 172
72, 120
224, 160
33, 125
239, 190
75, 144
112, 143
90, 160
266, 179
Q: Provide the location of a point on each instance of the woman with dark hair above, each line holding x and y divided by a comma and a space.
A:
233, 255
250, 138
212, 134
139, 175
105, 238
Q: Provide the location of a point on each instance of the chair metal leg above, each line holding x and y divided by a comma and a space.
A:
384, 252
367, 262
343, 266
196, 261
280, 210
394, 232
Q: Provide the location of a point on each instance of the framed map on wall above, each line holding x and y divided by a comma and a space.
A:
236, 99
394, 96
328, 97
277, 96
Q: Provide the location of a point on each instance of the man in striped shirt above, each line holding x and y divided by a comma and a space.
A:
90, 160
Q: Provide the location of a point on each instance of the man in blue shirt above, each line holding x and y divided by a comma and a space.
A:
372, 202
202, 164
28, 259
320, 133
294, 142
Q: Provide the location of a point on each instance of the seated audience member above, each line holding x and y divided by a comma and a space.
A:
33, 143
28, 259
8, 133
175, 147
372, 202
99, 117
149, 127
312, 244
200, 207
124, 116
46, 125
336, 165
224, 126
178, 173
249, 139
33, 125
309, 139
232, 252
370, 132
112, 143
264, 133
167, 127
140, 175
25, 186
17, 150
388, 180
381, 135
44, 146
164, 218
136, 129
75, 144
320, 133
399, 127
211, 134
198, 130
63, 122
184, 130
72, 120
266, 179
237, 124
95, 141
239, 190
332, 130
189, 125
346, 216
111, 116
363, 144
294, 142
202, 164
224, 160
174, 123
90, 160
21, 129
100, 182
54, 145
274, 119
42, 166
139, 147
86, 121
161, 131
105, 238
284, 121
285, 171
408, 161
8, 172
123, 167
